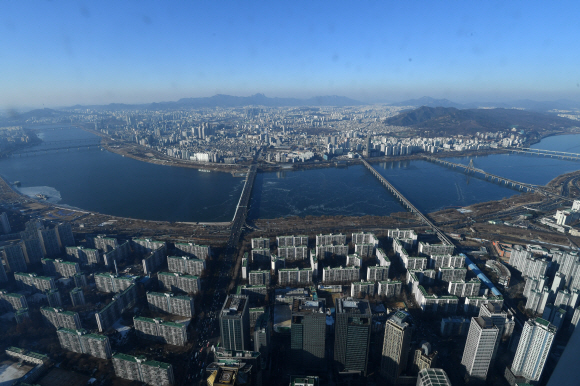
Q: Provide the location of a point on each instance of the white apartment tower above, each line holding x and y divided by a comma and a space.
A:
533, 349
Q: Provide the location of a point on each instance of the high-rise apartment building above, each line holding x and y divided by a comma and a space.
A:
49, 240
352, 335
14, 257
171, 303
480, 345
65, 235
81, 342
172, 281
234, 320
60, 318
84, 256
4, 224
109, 282
34, 283
533, 349
161, 330
308, 333
396, 343
53, 297
140, 369
11, 301
198, 251
77, 296
185, 264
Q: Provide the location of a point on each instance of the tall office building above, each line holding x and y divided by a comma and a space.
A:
499, 318
433, 377
533, 349
352, 335
235, 323
4, 223
481, 340
308, 333
395, 346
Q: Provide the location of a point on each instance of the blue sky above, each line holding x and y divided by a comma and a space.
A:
57, 53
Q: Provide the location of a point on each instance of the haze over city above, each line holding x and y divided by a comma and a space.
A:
62, 53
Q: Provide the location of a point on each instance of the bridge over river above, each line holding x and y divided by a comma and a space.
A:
408, 203
492, 177
548, 153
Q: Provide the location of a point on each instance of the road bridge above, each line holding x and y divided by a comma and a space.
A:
41, 150
548, 153
68, 141
242, 208
407, 203
492, 177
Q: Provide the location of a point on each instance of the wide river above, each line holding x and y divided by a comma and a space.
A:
108, 183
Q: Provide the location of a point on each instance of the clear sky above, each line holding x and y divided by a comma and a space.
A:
57, 53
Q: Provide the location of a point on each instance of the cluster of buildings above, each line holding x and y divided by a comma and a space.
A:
233, 135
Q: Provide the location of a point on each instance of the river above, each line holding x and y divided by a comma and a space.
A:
108, 183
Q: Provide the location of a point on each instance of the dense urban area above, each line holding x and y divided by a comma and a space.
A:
488, 294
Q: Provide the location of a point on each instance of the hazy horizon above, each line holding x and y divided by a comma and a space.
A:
58, 54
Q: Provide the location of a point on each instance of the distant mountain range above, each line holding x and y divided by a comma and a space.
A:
453, 120
527, 104
221, 100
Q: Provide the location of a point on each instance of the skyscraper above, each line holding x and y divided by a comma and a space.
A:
395, 346
235, 323
308, 333
352, 335
479, 347
499, 318
533, 349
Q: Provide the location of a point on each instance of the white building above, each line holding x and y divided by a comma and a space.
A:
480, 346
533, 349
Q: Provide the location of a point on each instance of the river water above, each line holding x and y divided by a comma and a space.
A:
108, 183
